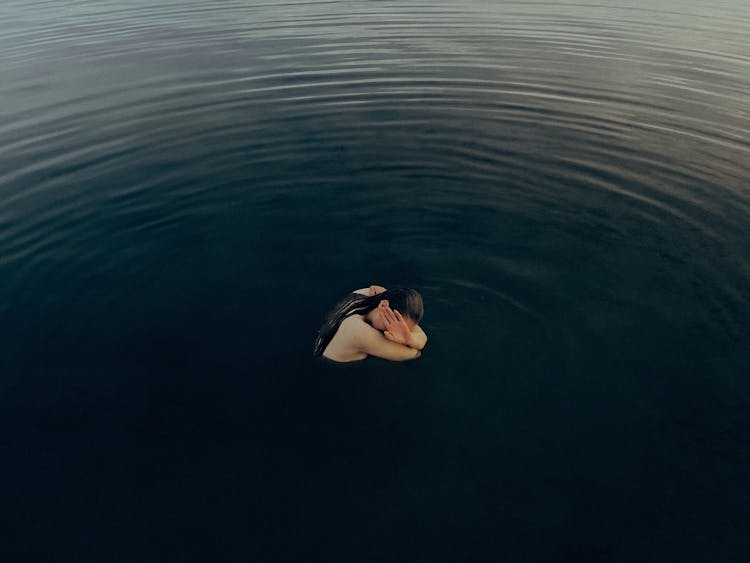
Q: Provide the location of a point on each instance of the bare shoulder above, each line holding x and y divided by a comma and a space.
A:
352, 326
355, 331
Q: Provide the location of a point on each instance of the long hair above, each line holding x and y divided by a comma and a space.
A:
407, 301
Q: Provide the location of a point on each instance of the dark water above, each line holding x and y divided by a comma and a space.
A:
187, 187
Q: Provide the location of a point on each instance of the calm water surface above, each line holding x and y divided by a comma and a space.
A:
186, 188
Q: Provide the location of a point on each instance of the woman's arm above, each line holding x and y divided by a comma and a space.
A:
417, 339
369, 291
371, 341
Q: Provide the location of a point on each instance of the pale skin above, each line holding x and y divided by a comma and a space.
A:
383, 332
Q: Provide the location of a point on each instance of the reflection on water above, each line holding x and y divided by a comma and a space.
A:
187, 187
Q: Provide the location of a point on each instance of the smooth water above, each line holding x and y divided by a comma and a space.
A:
187, 187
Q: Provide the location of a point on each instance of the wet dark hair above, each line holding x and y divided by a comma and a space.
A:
408, 302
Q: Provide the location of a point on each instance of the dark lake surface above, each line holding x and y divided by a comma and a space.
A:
187, 187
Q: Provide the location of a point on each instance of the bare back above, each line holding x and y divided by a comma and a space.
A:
343, 345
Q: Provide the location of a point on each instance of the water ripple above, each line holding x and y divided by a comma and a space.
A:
548, 112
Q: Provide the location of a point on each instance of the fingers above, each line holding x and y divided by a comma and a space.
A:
396, 316
383, 305
386, 312
388, 315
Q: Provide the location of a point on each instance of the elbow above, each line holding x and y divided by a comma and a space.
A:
412, 355
417, 341
415, 356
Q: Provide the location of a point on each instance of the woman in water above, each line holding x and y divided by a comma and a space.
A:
373, 321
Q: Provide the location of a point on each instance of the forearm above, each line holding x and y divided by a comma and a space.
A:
370, 291
417, 339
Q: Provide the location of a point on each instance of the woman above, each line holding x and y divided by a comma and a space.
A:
373, 321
